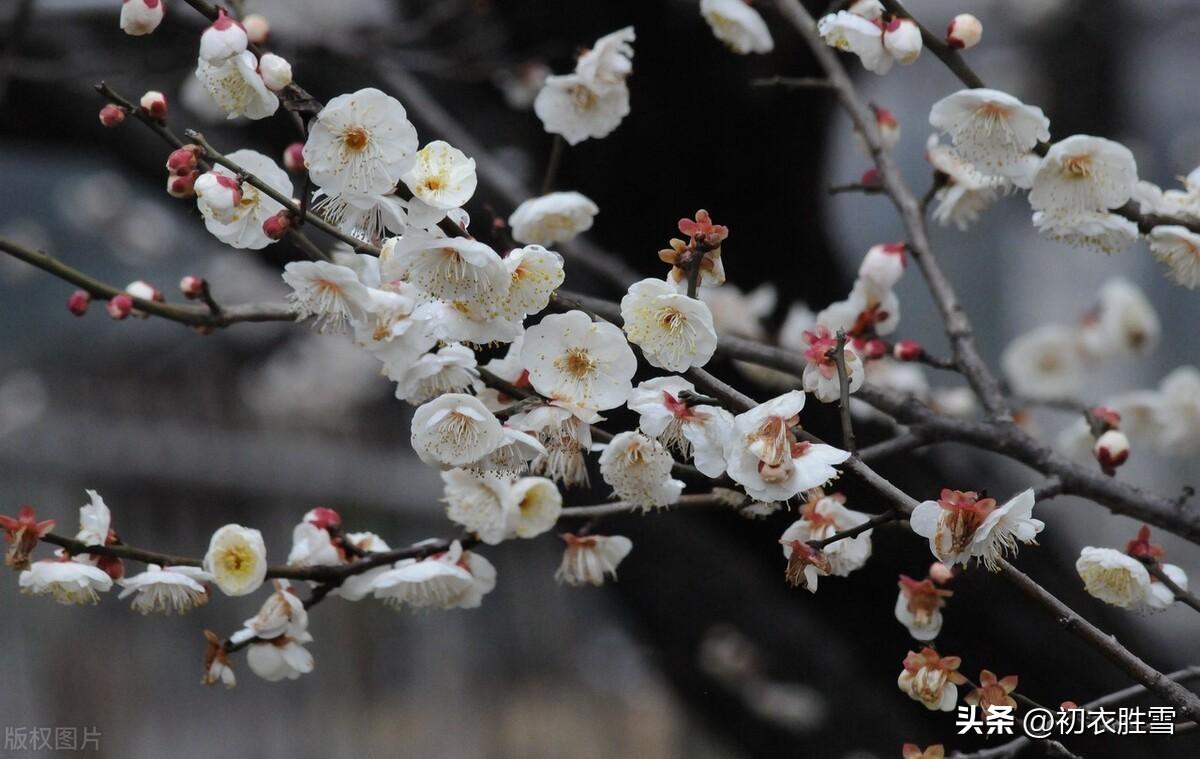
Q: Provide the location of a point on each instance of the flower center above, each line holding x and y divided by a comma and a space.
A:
582, 98
237, 560
1078, 166
356, 138
577, 362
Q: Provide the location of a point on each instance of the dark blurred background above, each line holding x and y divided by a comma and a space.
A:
701, 650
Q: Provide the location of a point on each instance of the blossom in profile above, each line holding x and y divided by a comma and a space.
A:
441, 176
358, 586
609, 62
1179, 410
854, 34
738, 25
1083, 174
283, 658
556, 217
919, 607
697, 431
446, 580
572, 358
536, 504
454, 429
1045, 363
824, 516
535, 273
965, 192
237, 559
991, 130
1123, 322
1102, 231
932, 679
961, 525
22, 533
217, 668
454, 269
1177, 248
67, 581
902, 40
591, 559
330, 293
805, 563
639, 471
166, 590
821, 376
565, 434
1122, 578
675, 332
480, 503
361, 142
450, 369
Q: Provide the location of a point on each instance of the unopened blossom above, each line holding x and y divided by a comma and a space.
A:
1045, 363
140, 17
236, 86
358, 586
312, 546
451, 369
1179, 418
572, 358
1178, 248
222, 40
69, 582
767, 458
441, 176
166, 590
552, 218
565, 432
480, 503
236, 559
919, 607
854, 34
579, 108
111, 115
22, 533
698, 432
360, 143
217, 668
284, 658
1160, 596
450, 268
992, 692
590, 559
536, 505
451, 579
454, 430
964, 32
821, 377
883, 265
961, 525
965, 192
991, 130
276, 72
95, 520
806, 564
738, 25
913, 751
1122, 323
932, 679
902, 40
1083, 174
1105, 232
235, 214
535, 273
823, 516
675, 332
639, 471
330, 293
609, 62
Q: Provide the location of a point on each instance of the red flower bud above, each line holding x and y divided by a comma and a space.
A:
112, 115
78, 302
191, 287
293, 157
277, 226
908, 350
119, 306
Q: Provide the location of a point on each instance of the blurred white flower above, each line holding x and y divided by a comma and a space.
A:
557, 217
1045, 363
590, 559
166, 590
1178, 248
738, 25
639, 471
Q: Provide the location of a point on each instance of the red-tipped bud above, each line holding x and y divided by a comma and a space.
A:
191, 287
142, 289
964, 31
293, 157
889, 126
223, 40
1111, 450
258, 29
902, 38
1106, 417
908, 350
154, 103
112, 115
277, 226
873, 349
78, 302
119, 306
183, 160
182, 185
324, 518
870, 178
112, 565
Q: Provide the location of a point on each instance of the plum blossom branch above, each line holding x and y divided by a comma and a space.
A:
720, 498
844, 390
793, 83
1181, 594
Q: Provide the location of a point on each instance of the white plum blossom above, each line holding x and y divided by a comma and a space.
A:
565, 432
442, 176
282, 614
140, 17
572, 358
480, 503
359, 586
454, 430
675, 332
821, 376
767, 459
699, 432
329, 292
991, 130
552, 218
902, 40
590, 559
447, 580
275, 71
513, 456
1122, 580
919, 607
535, 273
639, 471
1178, 248
738, 25
69, 582
823, 516
451, 369
579, 109
1045, 363
222, 40
883, 265
283, 659
95, 519
535, 503
931, 679
1106, 232
166, 590
1180, 411
1081, 175
455, 269
236, 559
961, 526
312, 546
237, 88
966, 193
476, 323
855, 34
235, 214
610, 60
360, 143
1123, 322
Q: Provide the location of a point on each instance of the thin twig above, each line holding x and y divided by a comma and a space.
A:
844, 394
